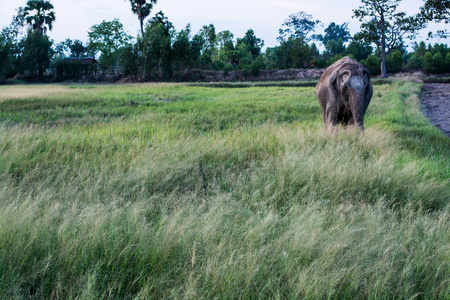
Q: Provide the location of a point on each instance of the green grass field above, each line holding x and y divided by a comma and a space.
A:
156, 191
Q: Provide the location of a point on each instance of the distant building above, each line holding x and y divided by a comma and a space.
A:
81, 60
73, 67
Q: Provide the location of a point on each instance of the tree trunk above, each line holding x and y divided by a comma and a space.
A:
383, 47
142, 27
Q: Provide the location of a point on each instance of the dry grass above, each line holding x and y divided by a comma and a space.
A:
118, 208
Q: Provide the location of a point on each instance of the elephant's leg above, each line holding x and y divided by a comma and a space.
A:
350, 117
344, 115
332, 115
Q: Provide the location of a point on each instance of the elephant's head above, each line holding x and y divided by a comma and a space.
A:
352, 84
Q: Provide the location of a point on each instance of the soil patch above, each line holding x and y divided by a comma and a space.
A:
436, 105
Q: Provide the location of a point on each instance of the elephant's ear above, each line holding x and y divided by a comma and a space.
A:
333, 80
366, 76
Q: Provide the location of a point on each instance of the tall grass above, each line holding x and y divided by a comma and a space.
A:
194, 192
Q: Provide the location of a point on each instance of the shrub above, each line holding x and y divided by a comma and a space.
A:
228, 67
256, 67
218, 65
373, 64
394, 61
414, 62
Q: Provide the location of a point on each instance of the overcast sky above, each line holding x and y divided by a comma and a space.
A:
74, 17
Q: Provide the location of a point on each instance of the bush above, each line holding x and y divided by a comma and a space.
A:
228, 68
414, 62
394, 62
447, 62
256, 67
218, 65
129, 60
436, 63
428, 62
334, 59
321, 63
373, 64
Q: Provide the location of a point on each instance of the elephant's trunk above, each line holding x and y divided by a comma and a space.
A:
358, 110
355, 87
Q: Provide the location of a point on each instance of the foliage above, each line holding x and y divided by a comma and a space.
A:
8, 60
373, 64
394, 61
108, 37
103, 197
129, 60
334, 39
69, 69
252, 43
432, 59
166, 54
334, 32
385, 27
71, 48
183, 57
334, 48
297, 25
42, 19
156, 49
37, 54
294, 53
359, 50
142, 8
436, 10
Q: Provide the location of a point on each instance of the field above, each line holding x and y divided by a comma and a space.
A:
168, 191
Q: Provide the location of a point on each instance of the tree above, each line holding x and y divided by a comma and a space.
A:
43, 16
253, 43
436, 10
359, 50
156, 47
77, 49
385, 27
297, 25
334, 38
334, 32
7, 57
36, 54
182, 50
71, 48
293, 53
300, 53
210, 37
107, 37
225, 39
142, 8
394, 61
226, 46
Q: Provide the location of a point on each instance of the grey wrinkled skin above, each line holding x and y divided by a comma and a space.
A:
344, 92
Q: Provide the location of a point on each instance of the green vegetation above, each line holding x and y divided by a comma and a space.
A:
161, 53
174, 191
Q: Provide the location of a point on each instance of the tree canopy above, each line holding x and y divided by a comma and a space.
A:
107, 37
160, 52
39, 14
142, 8
384, 26
298, 25
436, 10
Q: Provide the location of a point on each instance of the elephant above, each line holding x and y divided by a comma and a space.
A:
344, 92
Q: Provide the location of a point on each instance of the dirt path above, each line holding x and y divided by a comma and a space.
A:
436, 105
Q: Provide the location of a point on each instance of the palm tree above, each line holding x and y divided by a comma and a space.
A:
39, 14
142, 9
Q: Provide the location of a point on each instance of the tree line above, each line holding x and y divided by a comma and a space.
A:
160, 52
